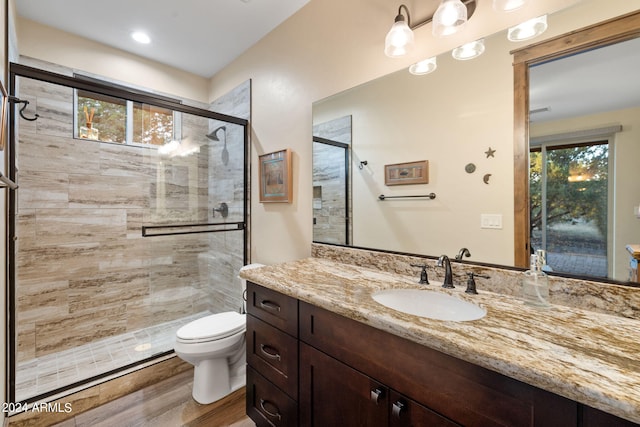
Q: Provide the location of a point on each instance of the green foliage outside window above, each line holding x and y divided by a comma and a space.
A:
576, 185
152, 125
107, 114
106, 117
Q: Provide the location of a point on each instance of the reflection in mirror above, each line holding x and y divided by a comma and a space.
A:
332, 182
580, 123
461, 119
457, 116
583, 109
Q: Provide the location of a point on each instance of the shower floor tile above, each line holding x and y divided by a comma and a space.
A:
55, 371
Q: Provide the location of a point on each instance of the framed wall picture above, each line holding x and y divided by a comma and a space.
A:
407, 173
276, 177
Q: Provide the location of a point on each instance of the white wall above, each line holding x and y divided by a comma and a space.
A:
48, 44
327, 47
450, 119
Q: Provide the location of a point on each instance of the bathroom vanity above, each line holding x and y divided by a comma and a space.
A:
321, 352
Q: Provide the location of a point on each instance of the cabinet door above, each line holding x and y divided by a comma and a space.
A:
407, 413
267, 405
592, 417
333, 394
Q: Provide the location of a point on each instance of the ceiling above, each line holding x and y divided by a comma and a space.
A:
598, 80
203, 36
198, 36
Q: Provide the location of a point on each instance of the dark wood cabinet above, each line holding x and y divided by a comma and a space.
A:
450, 387
272, 357
311, 367
405, 412
333, 394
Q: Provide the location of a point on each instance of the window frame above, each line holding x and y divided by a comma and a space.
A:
129, 121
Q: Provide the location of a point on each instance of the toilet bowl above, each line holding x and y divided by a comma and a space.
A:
215, 346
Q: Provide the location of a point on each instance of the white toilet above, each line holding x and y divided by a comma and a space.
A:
215, 346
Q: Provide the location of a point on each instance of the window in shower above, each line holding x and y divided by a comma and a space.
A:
107, 118
100, 117
152, 125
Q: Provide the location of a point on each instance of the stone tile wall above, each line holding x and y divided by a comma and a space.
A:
329, 177
84, 271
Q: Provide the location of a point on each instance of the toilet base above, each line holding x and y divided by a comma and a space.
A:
211, 381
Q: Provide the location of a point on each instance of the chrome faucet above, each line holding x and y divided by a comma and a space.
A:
443, 261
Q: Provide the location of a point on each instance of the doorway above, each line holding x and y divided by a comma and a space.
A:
569, 205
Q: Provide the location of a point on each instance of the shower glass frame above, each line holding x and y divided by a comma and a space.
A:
129, 94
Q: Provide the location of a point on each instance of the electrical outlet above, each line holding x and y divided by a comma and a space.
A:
493, 221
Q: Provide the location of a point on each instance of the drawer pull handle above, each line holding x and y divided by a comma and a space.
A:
273, 413
376, 395
270, 305
398, 408
270, 352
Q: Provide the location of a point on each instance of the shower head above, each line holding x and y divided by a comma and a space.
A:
213, 135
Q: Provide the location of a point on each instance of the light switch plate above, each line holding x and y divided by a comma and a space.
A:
493, 221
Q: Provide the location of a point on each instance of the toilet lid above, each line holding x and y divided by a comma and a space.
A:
212, 327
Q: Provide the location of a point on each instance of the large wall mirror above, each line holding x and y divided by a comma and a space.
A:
461, 120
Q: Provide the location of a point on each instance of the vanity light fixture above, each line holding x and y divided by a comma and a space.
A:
469, 50
507, 5
425, 66
141, 37
448, 18
399, 40
528, 29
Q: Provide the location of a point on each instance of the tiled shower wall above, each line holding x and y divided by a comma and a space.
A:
84, 271
329, 178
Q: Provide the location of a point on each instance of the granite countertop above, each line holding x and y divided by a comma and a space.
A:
588, 357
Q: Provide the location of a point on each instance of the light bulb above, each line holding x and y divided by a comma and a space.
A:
507, 5
399, 40
425, 66
469, 50
450, 17
528, 29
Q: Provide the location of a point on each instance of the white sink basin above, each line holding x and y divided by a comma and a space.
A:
434, 305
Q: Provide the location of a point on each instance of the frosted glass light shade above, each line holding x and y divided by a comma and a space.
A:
399, 40
507, 5
450, 17
469, 50
426, 66
528, 29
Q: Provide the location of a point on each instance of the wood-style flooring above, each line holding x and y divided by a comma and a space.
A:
166, 404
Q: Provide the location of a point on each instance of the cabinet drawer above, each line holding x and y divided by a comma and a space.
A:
407, 413
273, 307
267, 405
274, 354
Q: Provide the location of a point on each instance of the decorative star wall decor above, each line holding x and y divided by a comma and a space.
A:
490, 152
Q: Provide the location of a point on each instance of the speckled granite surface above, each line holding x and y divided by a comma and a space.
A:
589, 295
583, 355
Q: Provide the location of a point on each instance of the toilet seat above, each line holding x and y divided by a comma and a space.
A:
212, 327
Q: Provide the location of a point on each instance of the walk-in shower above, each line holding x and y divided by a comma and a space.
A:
116, 238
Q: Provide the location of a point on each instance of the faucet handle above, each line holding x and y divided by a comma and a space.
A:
424, 279
471, 282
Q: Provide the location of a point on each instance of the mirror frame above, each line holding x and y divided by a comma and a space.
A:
615, 30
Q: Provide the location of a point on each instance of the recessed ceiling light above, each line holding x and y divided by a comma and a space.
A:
141, 37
